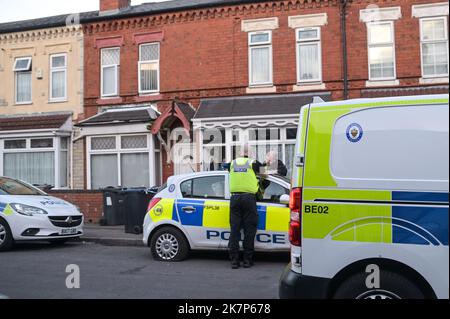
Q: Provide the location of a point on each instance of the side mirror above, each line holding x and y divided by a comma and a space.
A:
284, 199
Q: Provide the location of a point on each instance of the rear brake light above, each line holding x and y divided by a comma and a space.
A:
153, 202
295, 199
295, 204
295, 236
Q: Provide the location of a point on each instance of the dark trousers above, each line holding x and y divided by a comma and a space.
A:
243, 214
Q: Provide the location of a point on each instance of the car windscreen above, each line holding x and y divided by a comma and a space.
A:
12, 187
283, 178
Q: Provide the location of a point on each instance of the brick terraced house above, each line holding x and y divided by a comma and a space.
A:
215, 72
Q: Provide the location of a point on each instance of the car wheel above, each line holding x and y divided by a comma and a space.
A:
6, 239
169, 244
392, 286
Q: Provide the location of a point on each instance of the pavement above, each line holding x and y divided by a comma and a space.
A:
110, 235
42, 270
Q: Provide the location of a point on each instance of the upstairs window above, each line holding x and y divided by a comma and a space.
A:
260, 58
110, 61
22, 70
434, 47
309, 68
148, 67
381, 48
58, 77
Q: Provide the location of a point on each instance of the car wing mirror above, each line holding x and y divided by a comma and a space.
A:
284, 199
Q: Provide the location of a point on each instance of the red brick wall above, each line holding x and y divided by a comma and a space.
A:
207, 56
407, 45
204, 53
90, 202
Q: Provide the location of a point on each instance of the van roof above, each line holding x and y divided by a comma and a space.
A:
394, 99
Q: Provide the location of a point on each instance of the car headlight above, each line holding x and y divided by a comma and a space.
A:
27, 210
78, 209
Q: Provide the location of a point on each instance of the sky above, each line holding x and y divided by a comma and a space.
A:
15, 10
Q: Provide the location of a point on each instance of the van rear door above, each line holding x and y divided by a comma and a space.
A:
300, 144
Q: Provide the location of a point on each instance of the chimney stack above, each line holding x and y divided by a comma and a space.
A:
113, 6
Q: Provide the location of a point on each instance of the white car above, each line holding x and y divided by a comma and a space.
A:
192, 211
27, 213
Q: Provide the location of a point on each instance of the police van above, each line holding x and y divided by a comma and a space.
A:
28, 214
369, 200
192, 212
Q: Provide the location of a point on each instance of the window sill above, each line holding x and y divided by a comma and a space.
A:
148, 97
58, 101
381, 83
433, 80
261, 89
311, 86
24, 103
109, 100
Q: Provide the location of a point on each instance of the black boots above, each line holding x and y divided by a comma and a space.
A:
248, 263
235, 264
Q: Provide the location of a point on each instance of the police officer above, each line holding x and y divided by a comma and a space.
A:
243, 213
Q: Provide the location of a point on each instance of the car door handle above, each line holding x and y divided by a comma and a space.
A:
188, 209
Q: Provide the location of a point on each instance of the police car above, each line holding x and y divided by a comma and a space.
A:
27, 213
192, 212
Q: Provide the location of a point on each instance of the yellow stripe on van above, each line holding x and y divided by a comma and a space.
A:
163, 210
310, 194
277, 218
216, 214
349, 222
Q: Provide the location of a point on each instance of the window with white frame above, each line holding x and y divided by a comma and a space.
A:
148, 68
434, 47
214, 148
381, 48
39, 160
110, 71
260, 58
121, 160
309, 60
22, 70
222, 145
58, 77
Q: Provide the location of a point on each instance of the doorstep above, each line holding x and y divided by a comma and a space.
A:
110, 235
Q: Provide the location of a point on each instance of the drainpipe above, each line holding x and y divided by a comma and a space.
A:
344, 46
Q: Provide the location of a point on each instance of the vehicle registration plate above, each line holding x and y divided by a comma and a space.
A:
68, 231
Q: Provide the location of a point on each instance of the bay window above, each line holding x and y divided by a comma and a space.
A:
434, 47
121, 160
260, 58
40, 160
58, 77
222, 145
22, 69
110, 70
148, 67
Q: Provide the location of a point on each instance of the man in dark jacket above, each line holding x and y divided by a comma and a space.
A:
274, 165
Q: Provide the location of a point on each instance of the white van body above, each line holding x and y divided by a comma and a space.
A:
371, 186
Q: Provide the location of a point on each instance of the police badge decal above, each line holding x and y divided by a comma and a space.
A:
354, 132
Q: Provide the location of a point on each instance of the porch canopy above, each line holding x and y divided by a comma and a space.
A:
248, 107
30, 123
181, 111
